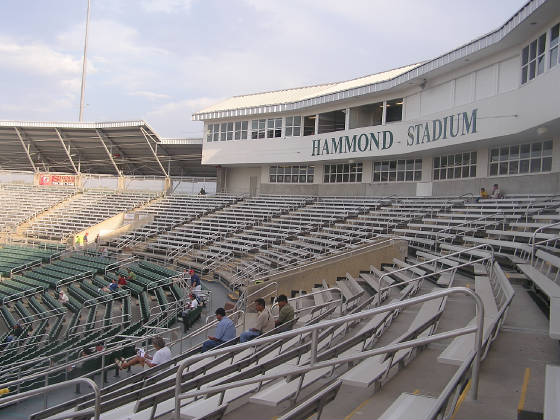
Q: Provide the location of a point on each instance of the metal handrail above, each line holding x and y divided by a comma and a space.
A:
313, 329
433, 260
96, 407
533, 237
467, 222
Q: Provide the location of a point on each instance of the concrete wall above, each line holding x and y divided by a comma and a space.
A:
237, 179
306, 278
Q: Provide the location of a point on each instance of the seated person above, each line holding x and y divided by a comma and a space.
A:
17, 331
162, 355
122, 281
225, 331
63, 297
131, 275
496, 193
195, 283
286, 313
113, 287
265, 322
483, 193
191, 306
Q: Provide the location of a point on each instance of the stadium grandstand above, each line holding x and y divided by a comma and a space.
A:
414, 294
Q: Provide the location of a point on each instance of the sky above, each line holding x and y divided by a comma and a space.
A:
162, 60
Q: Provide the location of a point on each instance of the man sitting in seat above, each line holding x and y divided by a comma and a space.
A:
195, 283
191, 306
162, 355
63, 297
265, 322
131, 275
122, 280
286, 312
225, 331
113, 287
496, 193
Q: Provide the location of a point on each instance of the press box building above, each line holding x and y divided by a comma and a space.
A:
487, 112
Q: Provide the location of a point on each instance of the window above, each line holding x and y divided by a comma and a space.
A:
366, 115
459, 165
213, 132
343, 172
291, 174
397, 170
532, 59
226, 131
274, 128
332, 121
241, 130
393, 111
521, 159
309, 125
293, 126
554, 57
258, 129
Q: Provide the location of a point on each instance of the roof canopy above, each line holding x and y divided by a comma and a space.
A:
515, 30
118, 148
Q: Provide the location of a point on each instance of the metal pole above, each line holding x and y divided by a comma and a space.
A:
314, 341
84, 64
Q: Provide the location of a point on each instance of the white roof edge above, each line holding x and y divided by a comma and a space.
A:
178, 140
461, 52
54, 124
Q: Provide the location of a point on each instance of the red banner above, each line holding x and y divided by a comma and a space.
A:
47, 179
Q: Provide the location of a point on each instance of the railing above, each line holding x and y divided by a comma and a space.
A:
25, 266
73, 278
121, 263
23, 293
534, 235
86, 413
466, 223
384, 289
313, 330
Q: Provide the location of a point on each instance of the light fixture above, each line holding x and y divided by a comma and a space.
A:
542, 130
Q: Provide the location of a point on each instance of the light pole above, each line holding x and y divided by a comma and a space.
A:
84, 65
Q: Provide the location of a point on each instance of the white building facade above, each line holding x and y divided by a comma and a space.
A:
487, 112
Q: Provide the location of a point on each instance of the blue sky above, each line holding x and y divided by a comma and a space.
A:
162, 60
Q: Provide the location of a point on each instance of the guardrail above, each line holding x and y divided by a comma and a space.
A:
25, 266
88, 412
382, 279
534, 235
313, 330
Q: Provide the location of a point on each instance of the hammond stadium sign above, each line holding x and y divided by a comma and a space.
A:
444, 128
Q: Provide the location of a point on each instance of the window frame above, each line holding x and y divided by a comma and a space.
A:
290, 126
291, 174
397, 170
531, 58
448, 171
343, 173
521, 159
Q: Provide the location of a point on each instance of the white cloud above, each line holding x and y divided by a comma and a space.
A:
149, 95
175, 117
165, 6
36, 58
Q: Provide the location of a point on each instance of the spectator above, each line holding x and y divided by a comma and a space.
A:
86, 237
162, 355
113, 286
265, 322
17, 330
105, 252
483, 195
131, 275
97, 240
63, 297
195, 283
191, 306
286, 313
496, 193
202, 191
122, 280
225, 331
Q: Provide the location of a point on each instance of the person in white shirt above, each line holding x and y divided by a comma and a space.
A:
162, 355
63, 297
191, 306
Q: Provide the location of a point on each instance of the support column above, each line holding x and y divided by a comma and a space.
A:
121, 183
168, 184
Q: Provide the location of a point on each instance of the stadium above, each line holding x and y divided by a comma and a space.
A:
400, 233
